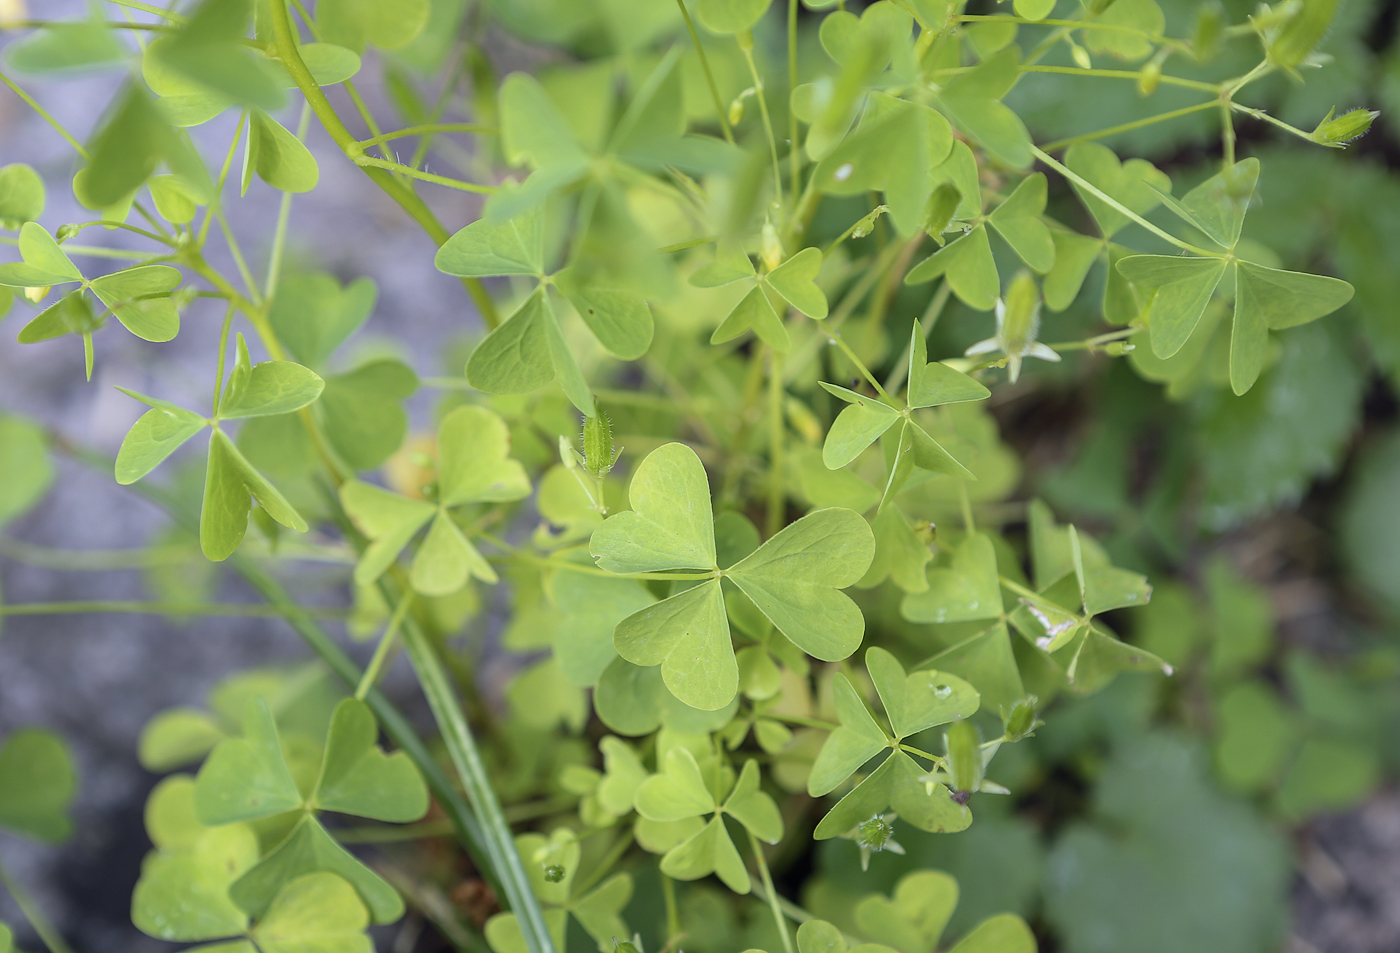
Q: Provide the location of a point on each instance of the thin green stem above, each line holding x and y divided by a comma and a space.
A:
458, 184
219, 366
108, 24
1261, 114
91, 560
1099, 340
223, 177
284, 214
1121, 74
106, 223
777, 435
1059, 144
429, 129
1114, 203
236, 252
381, 651
149, 8
253, 610
673, 913
761, 94
461, 747
835, 337
720, 112
44, 115
802, 721
794, 157
779, 920
48, 933
965, 501
288, 51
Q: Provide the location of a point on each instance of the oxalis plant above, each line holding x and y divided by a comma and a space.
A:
744, 515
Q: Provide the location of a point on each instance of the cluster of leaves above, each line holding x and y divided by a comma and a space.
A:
748, 265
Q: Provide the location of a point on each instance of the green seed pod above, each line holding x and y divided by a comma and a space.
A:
963, 747
875, 833
598, 442
1020, 721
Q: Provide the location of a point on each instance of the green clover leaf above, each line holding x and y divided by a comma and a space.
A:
246, 778
37, 783
969, 266
680, 792
474, 466
598, 911
912, 703
278, 157
21, 192
44, 262
913, 920
794, 281
319, 911
867, 419
968, 589
792, 578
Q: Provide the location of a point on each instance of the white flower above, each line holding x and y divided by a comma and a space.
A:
1018, 325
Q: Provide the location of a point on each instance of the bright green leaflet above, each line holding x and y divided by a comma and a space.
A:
973, 102
792, 578
24, 458
598, 910
37, 784
1018, 221
970, 268
21, 194
680, 792
473, 466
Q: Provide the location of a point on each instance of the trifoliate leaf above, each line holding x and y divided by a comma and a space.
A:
795, 280
389, 520
310, 849
756, 313
971, 271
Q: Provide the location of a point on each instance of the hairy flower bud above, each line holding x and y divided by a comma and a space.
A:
1344, 128
1020, 721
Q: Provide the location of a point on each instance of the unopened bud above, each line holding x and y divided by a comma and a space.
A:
1149, 77
1344, 128
36, 294
1020, 721
66, 232
1118, 348
942, 206
1081, 55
